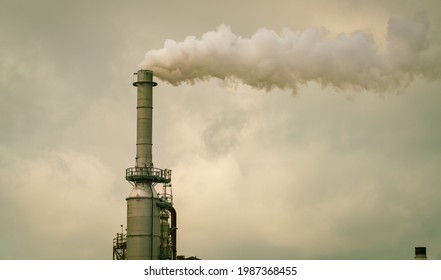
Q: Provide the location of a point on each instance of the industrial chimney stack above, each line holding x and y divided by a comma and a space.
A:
149, 233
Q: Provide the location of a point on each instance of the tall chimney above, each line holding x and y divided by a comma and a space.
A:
144, 119
143, 203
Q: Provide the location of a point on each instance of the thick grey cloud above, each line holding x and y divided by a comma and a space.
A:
328, 174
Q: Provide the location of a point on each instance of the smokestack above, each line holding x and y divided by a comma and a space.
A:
420, 253
144, 108
144, 206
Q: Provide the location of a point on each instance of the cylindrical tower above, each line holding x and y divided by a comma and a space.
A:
144, 120
143, 219
143, 230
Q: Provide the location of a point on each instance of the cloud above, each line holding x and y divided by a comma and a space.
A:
54, 202
332, 179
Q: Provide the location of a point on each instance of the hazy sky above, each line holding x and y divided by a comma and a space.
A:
329, 173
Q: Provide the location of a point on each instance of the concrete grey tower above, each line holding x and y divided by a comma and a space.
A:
145, 235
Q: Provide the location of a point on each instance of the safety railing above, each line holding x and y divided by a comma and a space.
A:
148, 174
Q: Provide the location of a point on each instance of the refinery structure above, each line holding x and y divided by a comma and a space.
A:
151, 218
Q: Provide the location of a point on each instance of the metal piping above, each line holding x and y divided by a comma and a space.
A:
174, 230
151, 229
144, 118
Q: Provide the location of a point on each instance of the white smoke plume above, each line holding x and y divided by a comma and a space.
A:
269, 60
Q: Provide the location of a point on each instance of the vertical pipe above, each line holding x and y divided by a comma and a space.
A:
144, 118
174, 218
